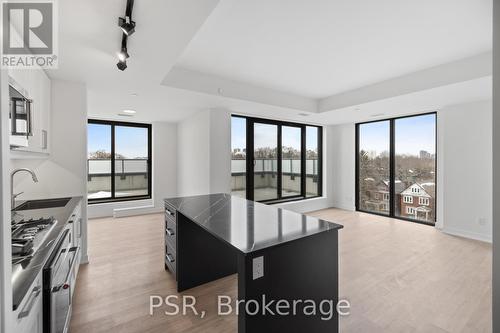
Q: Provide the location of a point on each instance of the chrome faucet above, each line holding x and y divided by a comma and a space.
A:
14, 196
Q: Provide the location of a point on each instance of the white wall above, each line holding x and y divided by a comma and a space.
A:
204, 158
464, 169
220, 150
193, 155
164, 162
64, 172
343, 167
164, 181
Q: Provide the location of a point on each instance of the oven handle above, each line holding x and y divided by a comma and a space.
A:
31, 301
65, 285
61, 250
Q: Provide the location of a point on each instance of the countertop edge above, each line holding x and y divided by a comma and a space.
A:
334, 226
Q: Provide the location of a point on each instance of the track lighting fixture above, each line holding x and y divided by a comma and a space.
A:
123, 54
127, 25
128, 28
122, 65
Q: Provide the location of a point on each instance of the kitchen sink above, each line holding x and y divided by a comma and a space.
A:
44, 203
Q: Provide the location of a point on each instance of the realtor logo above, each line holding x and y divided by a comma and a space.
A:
29, 34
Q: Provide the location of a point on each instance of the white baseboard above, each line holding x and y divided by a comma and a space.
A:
467, 234
307, 205
134, 211
344, 206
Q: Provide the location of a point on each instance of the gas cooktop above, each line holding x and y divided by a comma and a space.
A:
28, 236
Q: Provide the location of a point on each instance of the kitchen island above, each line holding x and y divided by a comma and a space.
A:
278, 255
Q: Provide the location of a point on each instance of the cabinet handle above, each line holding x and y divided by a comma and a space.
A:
169, 212
170, 258
31, 301
170, 232
80, 227
44, 139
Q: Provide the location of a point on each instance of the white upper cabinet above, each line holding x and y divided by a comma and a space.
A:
34, 84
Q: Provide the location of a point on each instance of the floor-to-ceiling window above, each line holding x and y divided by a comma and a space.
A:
274, 161
373, 167
396, 167
119, 161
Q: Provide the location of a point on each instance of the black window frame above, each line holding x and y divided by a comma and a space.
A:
113, 124
392, 168
250, 121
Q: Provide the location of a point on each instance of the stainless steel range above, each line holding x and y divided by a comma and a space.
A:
28, 236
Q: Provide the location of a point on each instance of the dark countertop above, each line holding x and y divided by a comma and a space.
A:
24, 274
246, 225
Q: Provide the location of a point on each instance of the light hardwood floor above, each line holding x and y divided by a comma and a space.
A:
398, 277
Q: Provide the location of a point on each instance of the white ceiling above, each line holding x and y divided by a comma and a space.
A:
318, 48
89, 38
311, 49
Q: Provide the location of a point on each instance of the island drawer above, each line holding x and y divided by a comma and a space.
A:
171, 260
170, 213
171, 233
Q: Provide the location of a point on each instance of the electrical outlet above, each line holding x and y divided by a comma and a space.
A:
258, 267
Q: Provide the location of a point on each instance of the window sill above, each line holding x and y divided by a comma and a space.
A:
286, 200
117, 200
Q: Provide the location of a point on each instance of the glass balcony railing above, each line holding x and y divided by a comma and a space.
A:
265, 173
131, 178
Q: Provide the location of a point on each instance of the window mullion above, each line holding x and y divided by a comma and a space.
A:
303, 165
392, 172
280, 166
113, 161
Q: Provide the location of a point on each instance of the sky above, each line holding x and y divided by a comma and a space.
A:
265, 135
130, 142
412, 135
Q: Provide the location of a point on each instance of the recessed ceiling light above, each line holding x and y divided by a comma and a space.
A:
303, 114
125, 115
129, 111
377, 115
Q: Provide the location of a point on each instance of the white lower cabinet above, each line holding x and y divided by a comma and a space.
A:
28, 317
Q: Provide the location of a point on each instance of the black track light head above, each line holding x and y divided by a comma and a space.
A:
127, 25
122, 65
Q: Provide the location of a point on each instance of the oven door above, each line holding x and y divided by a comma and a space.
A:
56, 289
61, 291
